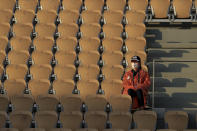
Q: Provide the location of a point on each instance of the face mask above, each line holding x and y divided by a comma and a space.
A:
134, 65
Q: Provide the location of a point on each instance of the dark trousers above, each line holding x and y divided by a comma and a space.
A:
139, 94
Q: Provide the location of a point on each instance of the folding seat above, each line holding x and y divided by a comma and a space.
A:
14, 86
96, 119
47, 102
16, 71
72, 4
113, 16
24, 16
46, 119
71, 120
137, 43
145, 119
96, 102
1, 70
34, 129
63, 86
40, 71
114, 129
112, 30
90, 30
4, 43
120, 103
170, 129
50, 4
42, 57
45, 29
21, 119
46, 16
9, 129
113, 71
160, 8
2, 56
18, 57
67, 29
5, 28
66, 44
69, 16
112, 44
87, 72
65, 58
71, 102
65, 72
27, 5
43, 43
135, 30
20, 43
87, 129
138, 4
135, 16
94, 4
5, 15
3, 118
112, 57
121, 120
141, 54
182, 8
60, 129
112, 87
21, 29
116, 4
39, 87
4, 101
22, 102
87, 44
91, 16
89, 57
177, 120
5, 4
87, 87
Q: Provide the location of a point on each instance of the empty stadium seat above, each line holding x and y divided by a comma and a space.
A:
4, 101
4, 42
137, 43
7, 4
66, 44
94, 4
160, 8
111, 87
43, 43
24, 16
64, 58
87, 129
112, 57
96, 102
91, 16
50, 5
87, 72
89, 57
90, 30
89, 44
33, 129
177, 120
14, 86
18, 57
141, 54
42, 57
16, 71
113, 71
60, 129
71, 102
87, 87
5, 28
65, 72
112, 30
22, 102
47, 102
46, 119
120, 120
63, 86
182, 8
120, 103
135, 16
3, 118
21, 119
9, 129
138, 4
113, 16
45, 29
1, 70
39, 87
71, 120
20, 43
47, 16
135, 30
2, 56
72, 4
40, 71
116, 4
112, 44
5, 15
96, 119
27, 5
145, 119
69, 16
67, 29
21, 29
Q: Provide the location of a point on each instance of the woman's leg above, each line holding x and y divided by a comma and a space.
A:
132, 93
140, 97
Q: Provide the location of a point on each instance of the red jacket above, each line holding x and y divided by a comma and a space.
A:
144, 84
